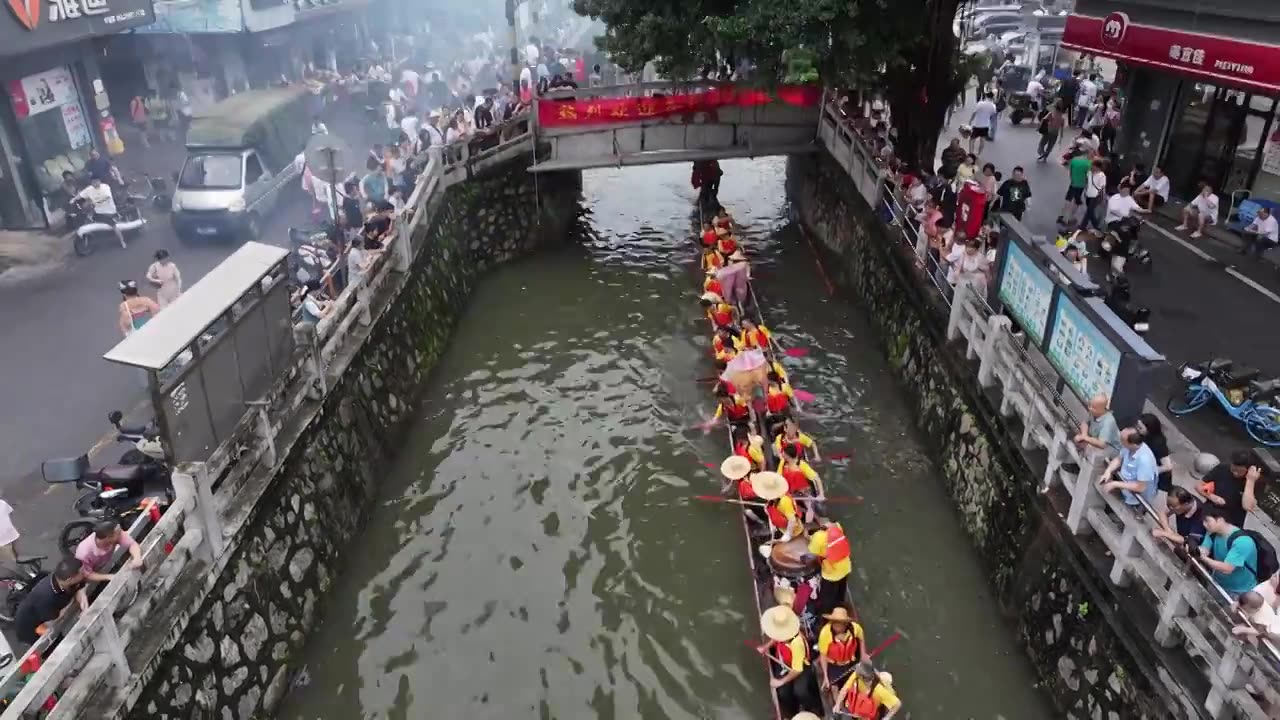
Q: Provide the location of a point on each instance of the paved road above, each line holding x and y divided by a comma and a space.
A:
56, 389
1201, 306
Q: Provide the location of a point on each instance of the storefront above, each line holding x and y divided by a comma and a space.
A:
55, 109
1201, 89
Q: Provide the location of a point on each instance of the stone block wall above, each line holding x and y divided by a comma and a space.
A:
1089, 661
233, 659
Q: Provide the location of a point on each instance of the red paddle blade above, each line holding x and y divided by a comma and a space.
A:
805, 396
796, 352
841, 456
710, 465
708, 498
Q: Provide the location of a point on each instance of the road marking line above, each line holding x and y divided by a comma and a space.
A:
1231, 270
1252, 283
1203, 255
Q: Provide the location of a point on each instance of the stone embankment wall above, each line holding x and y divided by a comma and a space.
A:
1092, 664
234, 659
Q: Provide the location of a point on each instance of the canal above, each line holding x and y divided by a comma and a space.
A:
535, 553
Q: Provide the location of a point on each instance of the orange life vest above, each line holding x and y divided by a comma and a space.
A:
736, 411
713, 286
837, 544
709, 238
714, 260
796, 481
777, 401
784, 652
722, 315
728, 245
863, 707
756, 339
745, 491
843, 652
776, 517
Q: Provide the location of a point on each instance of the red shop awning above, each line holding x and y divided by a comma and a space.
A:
1251, 65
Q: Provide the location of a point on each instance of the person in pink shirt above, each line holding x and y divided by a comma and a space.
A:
95, 552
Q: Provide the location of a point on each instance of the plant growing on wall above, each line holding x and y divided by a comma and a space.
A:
905, 49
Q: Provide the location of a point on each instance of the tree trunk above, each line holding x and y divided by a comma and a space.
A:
923, 89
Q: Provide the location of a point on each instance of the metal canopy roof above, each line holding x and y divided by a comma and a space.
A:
158, 342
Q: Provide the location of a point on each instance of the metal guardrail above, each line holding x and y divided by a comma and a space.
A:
82, 652
1193, 609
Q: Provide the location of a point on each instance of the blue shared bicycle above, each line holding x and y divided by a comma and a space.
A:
1240, 393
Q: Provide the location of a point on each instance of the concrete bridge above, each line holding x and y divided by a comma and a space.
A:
281, 442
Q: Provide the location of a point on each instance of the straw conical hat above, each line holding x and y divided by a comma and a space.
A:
839, 614
712, 298
806, 715
784, 594
735, 467
768, 485
756, 440
780, 623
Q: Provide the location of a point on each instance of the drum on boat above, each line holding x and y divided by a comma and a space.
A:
787, 559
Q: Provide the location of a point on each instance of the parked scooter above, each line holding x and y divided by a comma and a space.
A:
1120, 300
145, 439
311, 255
115, 492
17, 583
88, 231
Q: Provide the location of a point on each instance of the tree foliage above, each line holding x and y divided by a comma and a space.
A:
902, 48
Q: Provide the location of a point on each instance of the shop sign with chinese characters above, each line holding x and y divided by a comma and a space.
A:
1217, 59
605, 111
33, 24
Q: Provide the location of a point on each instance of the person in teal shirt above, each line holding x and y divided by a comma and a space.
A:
1233, 562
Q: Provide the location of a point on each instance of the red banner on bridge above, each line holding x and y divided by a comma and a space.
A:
604, 111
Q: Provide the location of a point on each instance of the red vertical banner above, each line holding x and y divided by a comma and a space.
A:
604, 111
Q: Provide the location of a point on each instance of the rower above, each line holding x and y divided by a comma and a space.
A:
737, 469
755, 335
755, 451
711, 260
725, 338
726, 244
832, 545
777, 400
792, 436
779, 506
723, 219
801, 479
732, 406
841, 643
712, 285
867, 693
708, 235
781, 626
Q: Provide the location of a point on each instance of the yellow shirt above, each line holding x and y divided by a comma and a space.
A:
825, 636
801, 438
799, 658
750, 338
883, 694
737, 399
711, 260
830, 571
756, 454
777, 368
787, 507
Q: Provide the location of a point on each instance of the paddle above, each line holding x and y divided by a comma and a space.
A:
897, 635
796, 352
841, 456
805, 396
756, 647
834, 500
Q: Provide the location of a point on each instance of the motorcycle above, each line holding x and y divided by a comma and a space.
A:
86, 228
1119, 299
1120, 244
145, 439
311, 257
17, 583
118, 493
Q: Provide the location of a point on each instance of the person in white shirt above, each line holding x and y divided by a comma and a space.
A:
410, 78
8, 535
531, 54
409, 124
433, 132
1095, 187
1121, 205
104, 205
1262, 234
984, 114
1201, 212
1034, 90
1084, 98
1263, 620
1154, 191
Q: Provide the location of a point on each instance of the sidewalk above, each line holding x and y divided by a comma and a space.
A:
1206, 300
58, 320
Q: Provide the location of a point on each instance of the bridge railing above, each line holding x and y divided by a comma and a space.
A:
1193, 611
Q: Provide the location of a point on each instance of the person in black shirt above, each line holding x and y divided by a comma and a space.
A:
1067, 91
1014, 193
49, 600
1188, 518
1232, 486
484, 114
1150, 427
98, 167
351, 205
